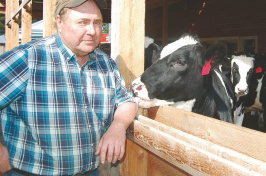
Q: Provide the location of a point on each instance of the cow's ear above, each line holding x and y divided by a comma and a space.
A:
217, 52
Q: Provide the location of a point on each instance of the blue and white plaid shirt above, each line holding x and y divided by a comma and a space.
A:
53, 112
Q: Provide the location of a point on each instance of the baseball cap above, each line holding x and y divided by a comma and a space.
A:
60, 4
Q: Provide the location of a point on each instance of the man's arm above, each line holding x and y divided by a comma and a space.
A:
4, 160
112, 144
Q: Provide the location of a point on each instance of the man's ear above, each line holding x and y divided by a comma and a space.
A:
58, 22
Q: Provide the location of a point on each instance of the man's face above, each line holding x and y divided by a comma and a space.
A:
81, 28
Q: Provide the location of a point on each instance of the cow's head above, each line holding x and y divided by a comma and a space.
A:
241, 71
175, 73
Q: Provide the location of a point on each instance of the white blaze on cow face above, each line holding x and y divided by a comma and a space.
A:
242, 67
170, 48
142, 97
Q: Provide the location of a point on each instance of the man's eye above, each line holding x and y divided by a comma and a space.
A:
97, 23
81, 22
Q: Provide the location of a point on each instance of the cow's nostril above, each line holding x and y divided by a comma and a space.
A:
139, 87
243, 91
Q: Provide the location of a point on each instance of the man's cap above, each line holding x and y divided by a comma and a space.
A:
60, 4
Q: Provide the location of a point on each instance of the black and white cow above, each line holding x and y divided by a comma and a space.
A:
152, 51
248, 77
184, 78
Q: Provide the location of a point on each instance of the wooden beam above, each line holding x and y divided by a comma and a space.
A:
8, 27
190, 153
160, 3
26, 25
14, 25
127, 49
17, 10
127, 37
48, 17
243, 140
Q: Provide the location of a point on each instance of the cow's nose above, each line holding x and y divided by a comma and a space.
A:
139, 88
242, 91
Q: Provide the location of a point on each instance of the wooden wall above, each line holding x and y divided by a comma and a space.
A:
218, 18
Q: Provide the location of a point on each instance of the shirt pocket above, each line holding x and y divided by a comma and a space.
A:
102, 100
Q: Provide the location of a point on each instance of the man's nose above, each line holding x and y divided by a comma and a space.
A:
90, 29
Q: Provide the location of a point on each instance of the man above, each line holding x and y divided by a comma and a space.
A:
64, 106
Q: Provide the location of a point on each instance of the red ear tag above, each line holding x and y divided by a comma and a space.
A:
259, 70
206, 68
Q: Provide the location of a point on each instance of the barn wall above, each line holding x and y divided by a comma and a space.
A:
218, 19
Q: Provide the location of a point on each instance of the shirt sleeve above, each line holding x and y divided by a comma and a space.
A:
123, 95
13, 75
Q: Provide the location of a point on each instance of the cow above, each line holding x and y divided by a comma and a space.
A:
189, 78
249, 80
152, 51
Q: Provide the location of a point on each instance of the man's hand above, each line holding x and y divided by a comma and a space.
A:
112, 144
4, 160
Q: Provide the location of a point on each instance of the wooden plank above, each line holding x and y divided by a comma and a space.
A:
243, 140
127, 37
48, 17
190, 153
158, 166
7, 28
127, 49
14, 25
135, 160
26, 23
16, 9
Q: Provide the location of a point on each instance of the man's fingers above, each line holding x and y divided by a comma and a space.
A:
99, 148
122, 152
116, 153
110, 153
103, 154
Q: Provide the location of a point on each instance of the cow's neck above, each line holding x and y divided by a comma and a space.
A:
185, 105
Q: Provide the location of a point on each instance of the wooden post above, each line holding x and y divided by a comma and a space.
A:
15, 25
26, 23
127, 37
127, 48
48, 17
8, 27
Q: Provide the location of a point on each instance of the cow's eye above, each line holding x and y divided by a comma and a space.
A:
179, 62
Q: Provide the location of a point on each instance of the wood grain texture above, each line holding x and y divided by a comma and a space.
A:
192, 154
243, 140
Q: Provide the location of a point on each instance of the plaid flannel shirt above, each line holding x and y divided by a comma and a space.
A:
53, 112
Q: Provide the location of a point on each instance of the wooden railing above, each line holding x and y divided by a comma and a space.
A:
191, 144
